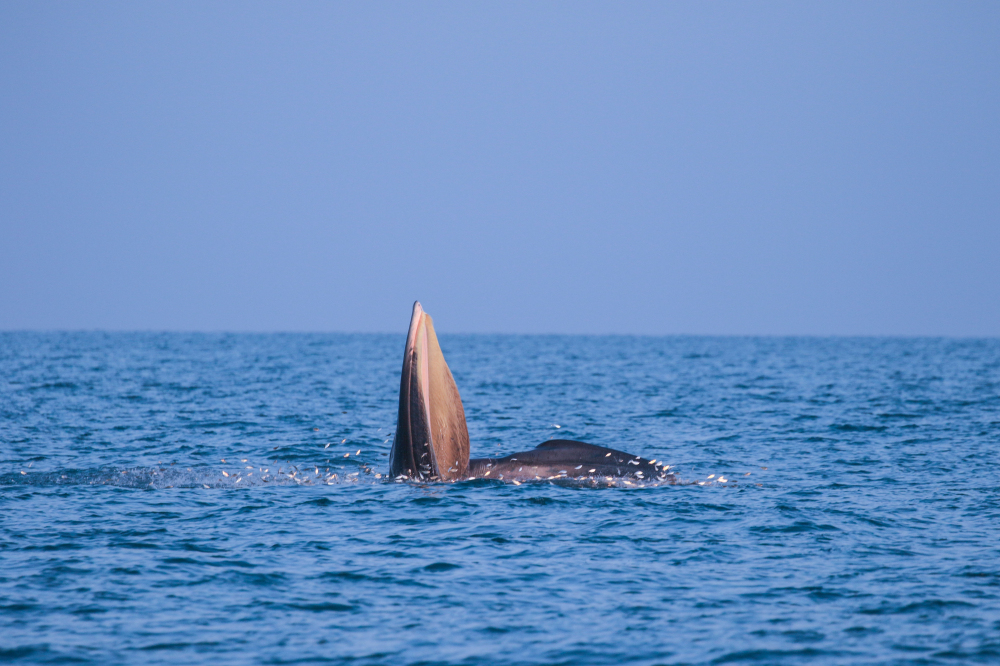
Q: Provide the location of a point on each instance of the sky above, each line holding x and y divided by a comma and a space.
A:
730, 168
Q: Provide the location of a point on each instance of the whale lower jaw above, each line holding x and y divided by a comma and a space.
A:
564, 458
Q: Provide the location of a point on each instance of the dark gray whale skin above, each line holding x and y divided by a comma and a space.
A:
567, 459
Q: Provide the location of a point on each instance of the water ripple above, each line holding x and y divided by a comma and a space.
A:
186, 498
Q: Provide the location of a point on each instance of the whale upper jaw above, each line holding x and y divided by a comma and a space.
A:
432, 439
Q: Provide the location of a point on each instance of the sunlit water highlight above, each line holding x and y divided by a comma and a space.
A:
852, 514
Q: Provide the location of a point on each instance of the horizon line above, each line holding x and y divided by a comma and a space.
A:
156, 331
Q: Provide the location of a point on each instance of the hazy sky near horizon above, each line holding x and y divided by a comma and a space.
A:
654, 168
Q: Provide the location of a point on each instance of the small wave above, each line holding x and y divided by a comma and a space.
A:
924, 607
775, 656
165, 477
852, 427
195, 477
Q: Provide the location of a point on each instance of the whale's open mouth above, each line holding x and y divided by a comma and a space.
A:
432, 440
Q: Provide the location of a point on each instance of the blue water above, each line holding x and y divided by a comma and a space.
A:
859, 521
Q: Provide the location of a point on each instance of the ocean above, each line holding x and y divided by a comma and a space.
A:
216, 499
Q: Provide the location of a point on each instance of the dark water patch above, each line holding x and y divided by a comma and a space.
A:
23, 652
323, 607
781, 656
55, 385
88, 610
798, 526
863, 631
183, 560
134, 544
980, 574
986, 655
351, 577
176, 647
920, 607
441, 566
853, 427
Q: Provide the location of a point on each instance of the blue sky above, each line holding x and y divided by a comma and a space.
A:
651, 168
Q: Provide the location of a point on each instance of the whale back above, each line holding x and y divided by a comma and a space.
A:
566, 458
432, 439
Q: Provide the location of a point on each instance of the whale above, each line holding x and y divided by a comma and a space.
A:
431, 442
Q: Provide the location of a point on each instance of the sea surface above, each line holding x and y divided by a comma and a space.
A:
858, 522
